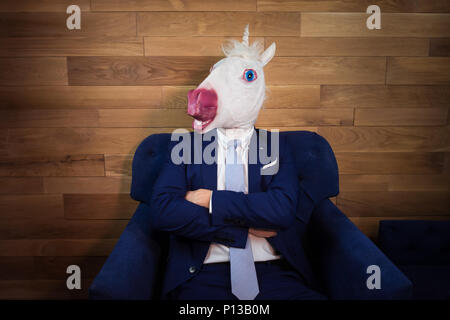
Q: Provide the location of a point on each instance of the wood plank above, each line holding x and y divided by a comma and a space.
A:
69, 165
3, 142
390, 162
163, 5
99, 206
387, 139
175, 96
380, 96
370, 225
440, 47
305, 117
417, 25
80, 97
48, 268
397, 182
388, 204
296, 96
42, 289
55, 267
138, 70
189, 46
17, 206
80, 46
56, 247
218, 23
61, 229
301, 46
21, 185
401, 116
35, 118
326, 70
33, 71
64, 141
87, 185
408, 70
41, 6
353, 5
139, 118
53, 24
118, 164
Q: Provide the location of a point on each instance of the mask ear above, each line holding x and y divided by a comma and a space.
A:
268, 54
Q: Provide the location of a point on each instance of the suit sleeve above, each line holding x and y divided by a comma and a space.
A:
173, 213
274, 208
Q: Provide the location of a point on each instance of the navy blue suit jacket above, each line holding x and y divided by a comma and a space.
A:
272, 203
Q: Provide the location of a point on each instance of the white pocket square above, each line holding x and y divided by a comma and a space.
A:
270, 164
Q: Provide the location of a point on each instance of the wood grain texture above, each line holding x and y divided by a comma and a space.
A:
387, 139
362, 163
164, 5
218, 23
316, 47
63, 141
353, 5
431, 70
418, 25
21, 185
33, 71
80, 97
53, 24
61, 229
305, 117
48, 118
41, 6
326, 70
79, 46
137, 118
87, 185
56, 247
393, 203
440, 47
188, 46
18, 206
398, 182
69, 165
118, 164
401, 117
295, 96
382, 96
138, 70
98, 206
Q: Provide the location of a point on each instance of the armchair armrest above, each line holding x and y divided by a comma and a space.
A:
342, 254
130, 272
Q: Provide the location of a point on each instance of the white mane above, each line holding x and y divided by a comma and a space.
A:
234, 48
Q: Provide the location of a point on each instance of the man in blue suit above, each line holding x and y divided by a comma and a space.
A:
235, 231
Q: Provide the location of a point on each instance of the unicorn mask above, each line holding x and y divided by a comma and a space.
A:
234, 91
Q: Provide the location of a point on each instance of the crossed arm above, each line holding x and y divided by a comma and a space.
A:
185, 213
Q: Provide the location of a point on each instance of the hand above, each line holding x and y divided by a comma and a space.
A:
262, 233
200, 197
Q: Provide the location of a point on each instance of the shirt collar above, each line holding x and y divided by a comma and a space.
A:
244, 135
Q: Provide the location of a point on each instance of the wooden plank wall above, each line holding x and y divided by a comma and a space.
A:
75, 104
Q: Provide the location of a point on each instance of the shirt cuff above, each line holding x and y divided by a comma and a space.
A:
210, 203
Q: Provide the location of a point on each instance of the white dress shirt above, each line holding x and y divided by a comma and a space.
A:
261, 248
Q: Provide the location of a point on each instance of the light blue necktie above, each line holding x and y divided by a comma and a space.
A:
244, 282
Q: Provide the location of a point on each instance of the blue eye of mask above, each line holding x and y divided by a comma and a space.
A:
249, 75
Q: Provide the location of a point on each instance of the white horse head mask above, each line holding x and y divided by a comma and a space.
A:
234, 91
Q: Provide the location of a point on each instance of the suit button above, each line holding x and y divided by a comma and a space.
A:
192, 269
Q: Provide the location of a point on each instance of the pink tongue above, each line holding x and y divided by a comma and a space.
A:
202, 104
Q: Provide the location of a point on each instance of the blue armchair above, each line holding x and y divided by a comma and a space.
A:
338, 251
